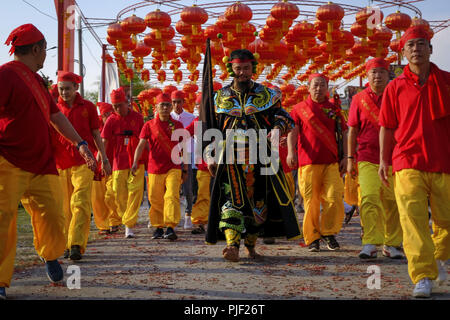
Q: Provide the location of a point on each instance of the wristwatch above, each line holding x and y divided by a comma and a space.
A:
81, 143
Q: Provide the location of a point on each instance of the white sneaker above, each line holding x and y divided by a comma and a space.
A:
129, 233
423, 288
392, 252
442, 276
187, 222
369, 251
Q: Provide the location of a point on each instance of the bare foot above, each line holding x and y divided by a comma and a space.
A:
253, 255
231, 253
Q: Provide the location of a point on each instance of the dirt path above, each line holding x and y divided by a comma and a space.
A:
142, 268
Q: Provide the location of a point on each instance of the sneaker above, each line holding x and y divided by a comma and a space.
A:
392, 252
187, 222
54, 271
331, 242
66, 254
269, 240
442, 276
129, 233
114, 229
170, 234
158, 234
349, 214
200, 229
369, 251
423, 288
314, 246
2, 293
149, 225
75, 253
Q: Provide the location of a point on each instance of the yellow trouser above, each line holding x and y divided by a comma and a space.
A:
76, 183
413, 188
321, 184
101, 211
291, 183
379, 213
110, 202
128, 192
41, 196
351, 191
164, 197
200, 210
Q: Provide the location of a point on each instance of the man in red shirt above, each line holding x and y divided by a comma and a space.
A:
76, 178
121, 132
164, 176
28, 119
320, 168
415, 134
378, 209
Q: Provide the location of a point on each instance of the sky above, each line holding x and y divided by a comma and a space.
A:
42, 14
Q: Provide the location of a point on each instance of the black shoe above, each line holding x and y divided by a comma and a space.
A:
331, 242
314, 246
199, 230
75, 253
170, 234
54, 271
158, 234
269, 240
66, 254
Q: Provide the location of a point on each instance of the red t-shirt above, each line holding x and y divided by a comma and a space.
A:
24, 133
116, 131
84, 118
311, 149
159, 158
190, 128
422, 143
368, 133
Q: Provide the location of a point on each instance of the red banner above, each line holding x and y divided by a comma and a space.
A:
65, 10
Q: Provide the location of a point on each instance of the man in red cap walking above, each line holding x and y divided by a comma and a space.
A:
121, 132
28, 119
103, 201
320, 166
76, 178
379, 213
164, 175
178, 113
415, 122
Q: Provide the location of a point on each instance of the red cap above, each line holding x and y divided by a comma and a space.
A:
163, 97
118, 96
22, 36
416, 32
104, 107
66, 76
178, 94
198, 99
377, 63
317, 75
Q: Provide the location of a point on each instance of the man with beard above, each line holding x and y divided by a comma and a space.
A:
245, 202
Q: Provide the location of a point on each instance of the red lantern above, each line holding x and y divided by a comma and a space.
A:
398, 22
286, 12
161, 76
145, 75
330, 13
237, 14
133, 25
158, 20
217, 86
169, 89
194, 16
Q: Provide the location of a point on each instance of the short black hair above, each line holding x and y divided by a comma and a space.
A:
26, 49
243, 54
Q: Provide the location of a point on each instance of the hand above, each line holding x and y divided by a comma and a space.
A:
383, 172
291, 160
134, 168
88, 157
184, 176
212, 167
107, 168
343, 166
351, 167
272, 139
283, 141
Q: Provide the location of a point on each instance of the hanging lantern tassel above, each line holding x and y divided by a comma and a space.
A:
194, 30
119, 46
238, 28
158, 34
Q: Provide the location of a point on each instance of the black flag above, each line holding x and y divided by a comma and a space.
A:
207, 113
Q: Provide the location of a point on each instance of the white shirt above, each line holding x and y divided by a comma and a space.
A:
185, 118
